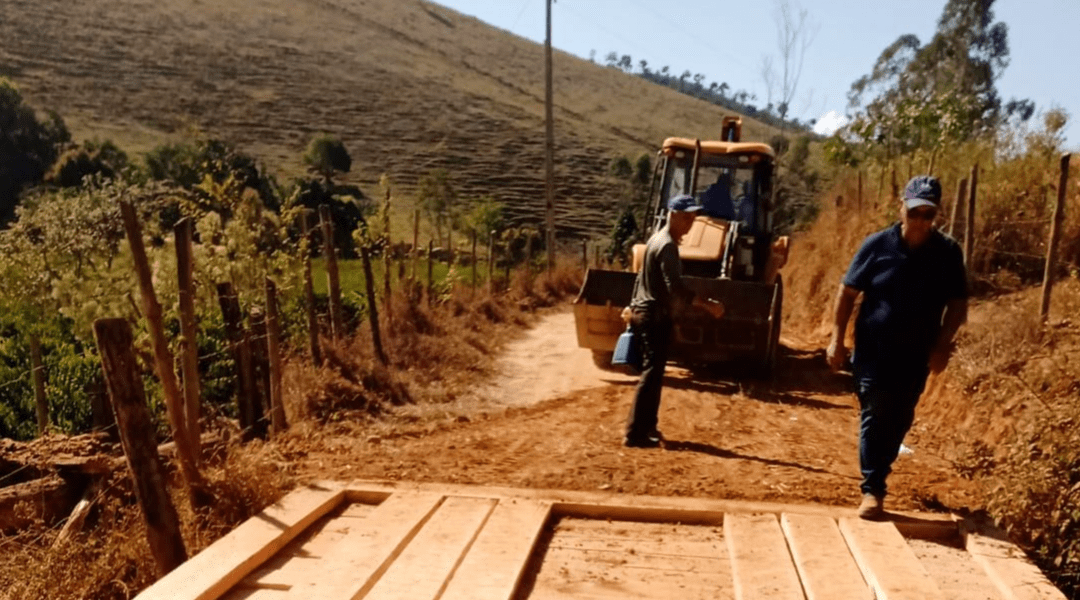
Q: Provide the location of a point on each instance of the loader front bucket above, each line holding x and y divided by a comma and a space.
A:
599, 305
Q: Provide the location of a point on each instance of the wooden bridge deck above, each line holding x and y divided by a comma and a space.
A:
383, 540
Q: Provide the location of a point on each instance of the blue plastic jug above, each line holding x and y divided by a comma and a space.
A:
627, 350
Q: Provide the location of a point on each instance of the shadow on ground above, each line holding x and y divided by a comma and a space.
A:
800, 378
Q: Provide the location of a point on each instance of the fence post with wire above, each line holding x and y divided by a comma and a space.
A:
1055, 236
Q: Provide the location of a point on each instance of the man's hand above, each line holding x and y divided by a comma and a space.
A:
836, 354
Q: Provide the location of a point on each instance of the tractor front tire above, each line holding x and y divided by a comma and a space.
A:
768, 365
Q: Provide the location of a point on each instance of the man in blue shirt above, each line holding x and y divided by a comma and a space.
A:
914, 299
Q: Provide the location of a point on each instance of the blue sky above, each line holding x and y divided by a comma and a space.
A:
725, 41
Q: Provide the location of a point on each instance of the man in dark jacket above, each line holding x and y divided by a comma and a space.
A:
914, 288
659, 291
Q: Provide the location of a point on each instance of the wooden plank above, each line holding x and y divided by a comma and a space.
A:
954, 571
887, 562
619, 560
656, 509
225, 562
624, 507
357, 562
760, 560
825, 564
423, 569
497, 559
294, 562
259, 594
1015, 577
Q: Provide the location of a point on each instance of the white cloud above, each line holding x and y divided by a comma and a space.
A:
828, 123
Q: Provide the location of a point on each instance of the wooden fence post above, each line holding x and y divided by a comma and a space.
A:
858, 198
449, 247
961, 195
309, 294
475, 265
584, 256
895, 185
163, 358
880, 185
337, 330
415, 242
373, 306
260, 369
189, 348
1055, 235
969, 222
114, 342
241, 351
40, 399
491, 263
387, 251
509, 258
430, 271
273, 347
101, 413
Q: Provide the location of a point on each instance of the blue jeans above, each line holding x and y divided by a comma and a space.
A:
888, 410
655, 334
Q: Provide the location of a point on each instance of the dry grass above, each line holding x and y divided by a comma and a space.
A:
1017, 433
1008, 406
820, 257
111, 559
437, 352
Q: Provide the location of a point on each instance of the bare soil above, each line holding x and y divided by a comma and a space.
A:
553, 420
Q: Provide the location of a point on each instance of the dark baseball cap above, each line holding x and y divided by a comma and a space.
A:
683, 203
923, 190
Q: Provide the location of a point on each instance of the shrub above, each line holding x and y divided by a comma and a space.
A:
28, 147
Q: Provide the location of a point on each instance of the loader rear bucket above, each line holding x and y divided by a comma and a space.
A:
748, 329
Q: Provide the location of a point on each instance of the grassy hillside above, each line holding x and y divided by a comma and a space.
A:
409, 85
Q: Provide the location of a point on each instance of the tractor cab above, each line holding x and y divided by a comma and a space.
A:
730, 255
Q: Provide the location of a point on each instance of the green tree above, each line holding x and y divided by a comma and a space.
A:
28, 147
634, 178
199, 165
326, 156
917, 97
87, 159
438, 199
487, 216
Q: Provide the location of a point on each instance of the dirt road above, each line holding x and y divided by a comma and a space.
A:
792, 440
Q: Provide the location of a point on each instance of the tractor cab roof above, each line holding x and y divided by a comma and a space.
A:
751, 149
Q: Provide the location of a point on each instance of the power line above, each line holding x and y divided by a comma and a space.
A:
524, 5
682, 31
634, 46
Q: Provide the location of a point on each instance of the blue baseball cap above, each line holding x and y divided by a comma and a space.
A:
923, 190
683, 203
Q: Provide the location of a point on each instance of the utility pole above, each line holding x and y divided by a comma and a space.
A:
549, 146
